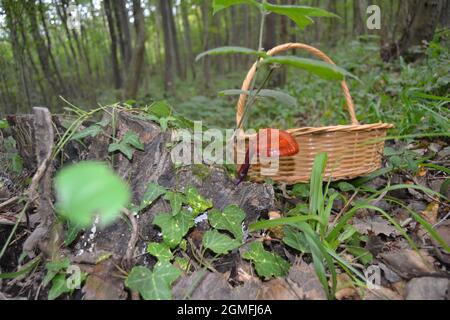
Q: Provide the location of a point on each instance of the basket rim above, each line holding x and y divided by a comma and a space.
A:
336, 128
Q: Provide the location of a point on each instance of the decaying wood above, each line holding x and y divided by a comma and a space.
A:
40, 190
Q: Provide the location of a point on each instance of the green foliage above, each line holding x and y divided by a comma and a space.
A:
231, 50
174, 228
91, 131
161, 251
196, 201
87, 190
156, 284
176, 201
280, 96
4, 124
219, 5
322, 69
15, 161
229, 220
267, 264
218, 242
151, 194
59, 287
301, 15
129, 142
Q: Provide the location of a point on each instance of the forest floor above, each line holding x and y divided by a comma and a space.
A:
391, 227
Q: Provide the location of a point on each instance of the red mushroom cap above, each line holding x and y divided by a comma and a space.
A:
287, 145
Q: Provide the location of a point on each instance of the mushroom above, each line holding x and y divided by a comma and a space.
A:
287, 147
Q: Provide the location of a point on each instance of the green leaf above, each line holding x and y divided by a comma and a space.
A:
153, 285
280, 96
91, 131
322, 69
133, 140
90, 189
161, 251
59, 287
123, 148
72, 232
195, 200
53, 268
161, 109
316, 183
231, 50
219, 5
361, 254
267, 264
218, 242
4, 124
301, 190
152, 193
230, 220
295, 240
174, 228
16, 163
346, 187
301, 15
292, 221
176, 201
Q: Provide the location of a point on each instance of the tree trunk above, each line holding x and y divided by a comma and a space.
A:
187, 35
422, 20
174, 39
113, 35
359, 27
135, 71
169, 54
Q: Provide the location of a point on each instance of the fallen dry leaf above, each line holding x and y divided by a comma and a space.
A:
345, 289
431, 213
102, 285
428, 289
375, 224
408, 263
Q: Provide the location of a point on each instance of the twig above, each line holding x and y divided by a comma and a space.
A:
133, 238
9, 202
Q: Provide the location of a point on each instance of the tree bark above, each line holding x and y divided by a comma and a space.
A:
113, 35
169, 54
422, 21
187, 35
359, 27
137, 59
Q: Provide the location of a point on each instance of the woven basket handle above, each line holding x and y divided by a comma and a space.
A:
282, 48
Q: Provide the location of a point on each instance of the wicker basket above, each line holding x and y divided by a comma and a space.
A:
353, 150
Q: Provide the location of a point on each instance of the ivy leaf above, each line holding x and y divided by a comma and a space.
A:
153, 285
4, 124
122, 148
322, 69
301, 15
90, 189
218, 242
280, 96
230, 220
196, 201
59, 287
91, 131
53, 268
176, 201
127, 144
295, 239
267, 264
161, 109
132, 139
174, 228
152, 193
161, 251
219, 5
231, 50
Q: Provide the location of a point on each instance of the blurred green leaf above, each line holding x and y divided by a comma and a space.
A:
90, 189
